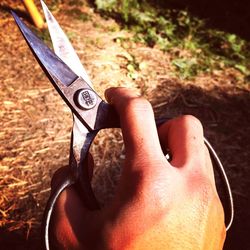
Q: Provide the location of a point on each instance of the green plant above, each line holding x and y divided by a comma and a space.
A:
171, 29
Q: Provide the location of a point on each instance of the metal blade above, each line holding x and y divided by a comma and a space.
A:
52, 65
63, 47
64, 50
66, 82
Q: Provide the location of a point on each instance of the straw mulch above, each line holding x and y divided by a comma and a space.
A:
36, 124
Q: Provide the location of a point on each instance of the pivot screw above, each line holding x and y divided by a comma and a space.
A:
86, 98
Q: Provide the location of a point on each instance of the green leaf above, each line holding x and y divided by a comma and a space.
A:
241, 68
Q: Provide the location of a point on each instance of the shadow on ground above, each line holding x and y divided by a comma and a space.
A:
16, 240
225, 115
226, 118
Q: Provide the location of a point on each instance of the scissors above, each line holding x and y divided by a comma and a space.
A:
90, 113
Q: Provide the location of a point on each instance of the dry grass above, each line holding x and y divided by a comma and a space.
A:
36, 124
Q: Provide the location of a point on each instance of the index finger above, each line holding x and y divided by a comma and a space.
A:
137, 123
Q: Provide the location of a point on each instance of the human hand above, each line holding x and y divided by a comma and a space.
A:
157, 204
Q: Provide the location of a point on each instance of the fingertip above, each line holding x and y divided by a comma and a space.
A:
108, 94
114, 94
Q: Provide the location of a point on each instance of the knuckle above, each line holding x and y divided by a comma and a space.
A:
138, 104
198, 183
189, 122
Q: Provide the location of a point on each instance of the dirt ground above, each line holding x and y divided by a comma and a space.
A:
36, 124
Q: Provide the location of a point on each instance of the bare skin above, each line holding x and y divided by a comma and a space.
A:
157, 204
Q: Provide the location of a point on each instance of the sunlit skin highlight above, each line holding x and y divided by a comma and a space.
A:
157, 204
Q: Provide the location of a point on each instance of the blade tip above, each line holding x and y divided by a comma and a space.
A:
43, 4
13, 13
16, 18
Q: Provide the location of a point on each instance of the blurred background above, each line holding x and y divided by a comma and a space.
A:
184, 56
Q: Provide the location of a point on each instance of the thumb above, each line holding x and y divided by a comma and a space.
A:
72, 224
70, 213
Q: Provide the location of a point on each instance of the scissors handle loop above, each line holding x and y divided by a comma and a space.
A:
67, 182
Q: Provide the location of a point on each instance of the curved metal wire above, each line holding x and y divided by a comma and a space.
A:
226, 181
50, 207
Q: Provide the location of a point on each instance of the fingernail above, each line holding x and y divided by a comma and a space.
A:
107, 95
